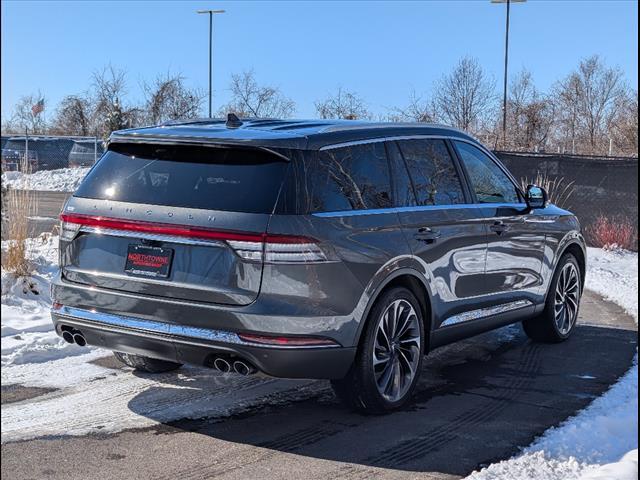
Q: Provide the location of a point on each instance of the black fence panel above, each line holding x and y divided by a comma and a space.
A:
602, 186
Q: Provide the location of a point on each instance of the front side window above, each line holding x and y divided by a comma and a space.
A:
434, 175
488, 181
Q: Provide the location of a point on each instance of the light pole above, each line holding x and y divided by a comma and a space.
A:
211, 13
506, 67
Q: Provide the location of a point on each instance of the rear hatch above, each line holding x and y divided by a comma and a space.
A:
173, 221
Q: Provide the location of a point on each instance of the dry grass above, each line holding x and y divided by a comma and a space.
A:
611, 233
559, 192
18, 206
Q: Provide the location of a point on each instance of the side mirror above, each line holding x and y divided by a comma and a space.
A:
536, 197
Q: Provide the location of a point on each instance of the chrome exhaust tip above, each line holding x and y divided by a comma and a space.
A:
222, 365
243, 368
79, 339
68, 336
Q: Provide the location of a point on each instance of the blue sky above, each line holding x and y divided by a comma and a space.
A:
382, 50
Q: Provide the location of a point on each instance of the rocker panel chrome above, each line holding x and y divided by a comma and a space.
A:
485, 312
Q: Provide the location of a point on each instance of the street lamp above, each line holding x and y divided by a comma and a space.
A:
211, 13
506, 64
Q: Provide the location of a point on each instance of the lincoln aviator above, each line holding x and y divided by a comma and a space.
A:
339, 250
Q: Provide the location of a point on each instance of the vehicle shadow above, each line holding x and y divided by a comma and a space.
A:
477, 401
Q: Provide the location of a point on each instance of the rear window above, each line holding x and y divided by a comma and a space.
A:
230, 179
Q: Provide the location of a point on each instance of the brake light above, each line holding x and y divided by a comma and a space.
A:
271, 248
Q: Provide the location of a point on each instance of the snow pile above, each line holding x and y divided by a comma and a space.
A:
600, 442
27, 331
614, 275
62, 180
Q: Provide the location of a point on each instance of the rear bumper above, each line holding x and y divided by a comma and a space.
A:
198, 345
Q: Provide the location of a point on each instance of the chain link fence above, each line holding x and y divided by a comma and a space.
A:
46, 152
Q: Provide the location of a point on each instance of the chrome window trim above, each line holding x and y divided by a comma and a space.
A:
419, 208
485, 312
151, 236
150, 328
386, 139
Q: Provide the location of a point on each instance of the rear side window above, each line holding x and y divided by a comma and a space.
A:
349, 178
433, 173
230, 179
488, 180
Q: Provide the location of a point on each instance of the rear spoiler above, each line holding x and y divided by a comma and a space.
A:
189, 141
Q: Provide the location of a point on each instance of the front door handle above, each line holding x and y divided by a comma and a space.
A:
427, 234
499, 227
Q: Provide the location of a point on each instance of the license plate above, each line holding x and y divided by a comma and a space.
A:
147, 261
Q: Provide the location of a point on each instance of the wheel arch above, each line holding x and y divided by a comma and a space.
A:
413, 281
575, 249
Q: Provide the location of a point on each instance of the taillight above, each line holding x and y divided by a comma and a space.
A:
270, 248
68, 230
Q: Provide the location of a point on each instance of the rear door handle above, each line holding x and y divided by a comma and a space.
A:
499, 227
426, 234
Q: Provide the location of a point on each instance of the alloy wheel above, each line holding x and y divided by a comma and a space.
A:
396, 352
567, 298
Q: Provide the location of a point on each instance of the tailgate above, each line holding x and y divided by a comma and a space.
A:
175, 222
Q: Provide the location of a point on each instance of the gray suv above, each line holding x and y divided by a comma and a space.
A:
339, 250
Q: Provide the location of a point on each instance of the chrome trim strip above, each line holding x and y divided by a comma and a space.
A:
151, 328
151, 236
384, 139
485, 312
379, 211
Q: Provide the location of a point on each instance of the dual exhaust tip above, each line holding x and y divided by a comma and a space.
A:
238, 366
74, 336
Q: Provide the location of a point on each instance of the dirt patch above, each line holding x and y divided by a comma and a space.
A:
17, 393
109, 362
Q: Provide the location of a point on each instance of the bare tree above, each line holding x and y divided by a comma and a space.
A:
26, 117
417, 110
74, 116
465, 97
589, 98
530, 115
249, 99
623, 127
167, 98
109, 89
566, 96
343, 104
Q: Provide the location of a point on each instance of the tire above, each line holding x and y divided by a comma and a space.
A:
146, 364
550, 326
363, 388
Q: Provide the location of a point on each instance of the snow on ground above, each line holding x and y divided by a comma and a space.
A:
62, 180
27, 334
601, 441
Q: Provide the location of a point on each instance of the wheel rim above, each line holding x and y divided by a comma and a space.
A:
567, 298
396, 352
